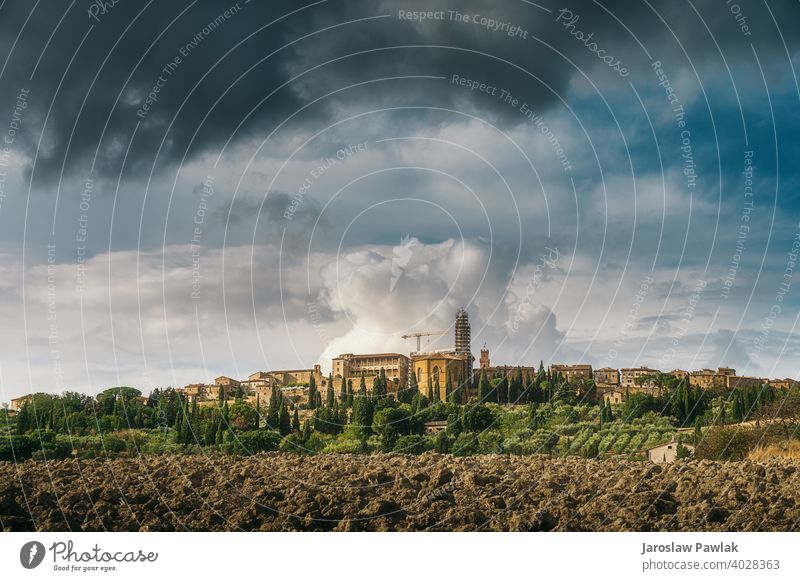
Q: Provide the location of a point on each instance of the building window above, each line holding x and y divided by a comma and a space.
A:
419, 374
435, 373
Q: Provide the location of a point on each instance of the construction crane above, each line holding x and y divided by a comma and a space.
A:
423, 334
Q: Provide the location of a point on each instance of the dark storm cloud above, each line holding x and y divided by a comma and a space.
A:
278, 218
101, 98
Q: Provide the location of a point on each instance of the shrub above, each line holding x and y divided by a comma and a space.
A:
725, 443
16, 448
442, 443
491, 442
346, 446
466, 444
542, 442
293, 443
413, 444
476, 417
253, 441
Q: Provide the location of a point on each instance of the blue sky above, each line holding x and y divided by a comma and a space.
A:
307, 245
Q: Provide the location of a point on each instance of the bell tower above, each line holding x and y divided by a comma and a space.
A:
485, 364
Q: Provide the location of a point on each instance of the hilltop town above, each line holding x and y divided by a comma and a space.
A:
452, 371
411, 403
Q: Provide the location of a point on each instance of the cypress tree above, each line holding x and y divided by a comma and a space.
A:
379, 387
272, 409
349, 392
296, 422
23, 419
452, 395
362, 415
413, 388
518, 388
211, 432
284, 424
362, 387
179, 426
312, 392
343, 392
220, 432
429, 395
221, 395
330, 395
258, 412
336, 420
483, 386
502, 390
226, 417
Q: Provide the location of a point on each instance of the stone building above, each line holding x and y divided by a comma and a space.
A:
498, 371
741, 381
680, 374
709, 379
485, 361
666, 453
19, 402
782, 383
629, 375
200, 391
350, 366
572, 372
295, 377
606, 375
440, 366
614, 396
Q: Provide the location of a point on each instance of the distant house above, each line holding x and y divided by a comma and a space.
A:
782, 383
666, 453
435, 427
613, 396
572, 372
19, 402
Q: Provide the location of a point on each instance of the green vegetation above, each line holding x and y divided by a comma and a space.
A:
519, 414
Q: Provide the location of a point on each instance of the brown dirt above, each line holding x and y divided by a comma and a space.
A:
279, 492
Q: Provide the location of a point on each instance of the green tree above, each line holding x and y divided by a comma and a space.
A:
296, 422
312, 392
442, 443
483, 387
273, 418
412, 390
362, 387
220, 432
389, 424
330, 395
243, 417
362, 415
284, 423
515, 388
453, 395
502, 389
